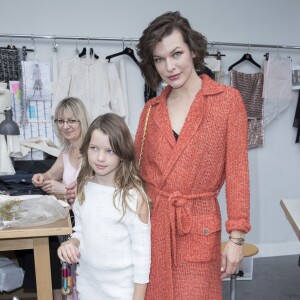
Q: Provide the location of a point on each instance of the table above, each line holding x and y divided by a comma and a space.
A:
36, 238
291, 207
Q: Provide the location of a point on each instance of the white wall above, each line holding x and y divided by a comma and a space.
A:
275, 168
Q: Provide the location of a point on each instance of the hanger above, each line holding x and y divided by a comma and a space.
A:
217, 55
83, 53
55, 46
10, 47
246, 57
266, 56
76, 49
127, 51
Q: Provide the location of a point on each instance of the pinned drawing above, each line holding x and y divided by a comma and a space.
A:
36, 80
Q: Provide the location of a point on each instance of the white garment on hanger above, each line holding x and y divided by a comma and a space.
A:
14, 147
213, 63
122, 72
96, 82
6, 166
277, 91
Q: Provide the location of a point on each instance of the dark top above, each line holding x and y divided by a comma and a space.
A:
176, 135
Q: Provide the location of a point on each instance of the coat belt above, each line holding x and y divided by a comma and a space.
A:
180, 216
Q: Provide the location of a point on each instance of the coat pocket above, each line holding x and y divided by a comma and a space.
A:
202, 243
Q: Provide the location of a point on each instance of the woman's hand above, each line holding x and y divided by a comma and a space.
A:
71, 190
54, 187
69, 251
232, 256
38, 179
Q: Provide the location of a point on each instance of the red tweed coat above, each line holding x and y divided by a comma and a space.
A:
183, 179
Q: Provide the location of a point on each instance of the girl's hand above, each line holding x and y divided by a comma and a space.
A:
231, 258
139, 291
38, 179
54, 187
69, 251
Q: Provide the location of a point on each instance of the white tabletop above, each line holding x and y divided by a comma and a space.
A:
291, 208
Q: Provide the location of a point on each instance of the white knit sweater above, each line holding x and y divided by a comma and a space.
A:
114, 252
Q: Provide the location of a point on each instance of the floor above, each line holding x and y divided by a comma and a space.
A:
274, 278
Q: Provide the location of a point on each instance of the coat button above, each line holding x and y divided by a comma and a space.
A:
205, 231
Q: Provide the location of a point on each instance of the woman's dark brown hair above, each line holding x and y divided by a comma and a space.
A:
159, 28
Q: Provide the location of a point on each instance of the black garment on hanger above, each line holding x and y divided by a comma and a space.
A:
10, 64
296, 123
127, 51
245, 57
148, 93
206, 71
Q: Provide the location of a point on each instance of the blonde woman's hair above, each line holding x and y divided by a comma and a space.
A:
77, 108
126, 176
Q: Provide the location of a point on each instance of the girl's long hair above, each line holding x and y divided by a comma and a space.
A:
126, 176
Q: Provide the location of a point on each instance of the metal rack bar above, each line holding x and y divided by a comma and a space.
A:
127, 39
61, 37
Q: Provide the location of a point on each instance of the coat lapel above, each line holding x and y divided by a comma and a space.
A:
162, 119
192, 122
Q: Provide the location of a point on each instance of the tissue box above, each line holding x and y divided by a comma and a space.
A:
11, 276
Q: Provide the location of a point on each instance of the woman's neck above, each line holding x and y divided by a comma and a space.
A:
189, 90
73, 148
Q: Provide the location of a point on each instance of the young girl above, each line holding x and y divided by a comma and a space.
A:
111, 239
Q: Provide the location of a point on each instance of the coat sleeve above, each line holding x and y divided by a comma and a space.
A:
237, 173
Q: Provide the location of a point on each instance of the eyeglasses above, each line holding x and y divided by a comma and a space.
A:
71, 122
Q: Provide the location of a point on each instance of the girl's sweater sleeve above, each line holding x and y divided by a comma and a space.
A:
77, 229
140, 237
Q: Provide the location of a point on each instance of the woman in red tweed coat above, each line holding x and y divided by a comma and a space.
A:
196, 138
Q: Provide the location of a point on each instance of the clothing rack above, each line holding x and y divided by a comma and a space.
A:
123, 39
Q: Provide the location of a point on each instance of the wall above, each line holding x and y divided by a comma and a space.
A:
274, 169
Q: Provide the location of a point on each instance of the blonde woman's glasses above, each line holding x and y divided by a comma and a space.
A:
71, 122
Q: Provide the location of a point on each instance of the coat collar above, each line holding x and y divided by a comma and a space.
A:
209, 87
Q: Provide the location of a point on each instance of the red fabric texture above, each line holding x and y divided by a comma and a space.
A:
183, 179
